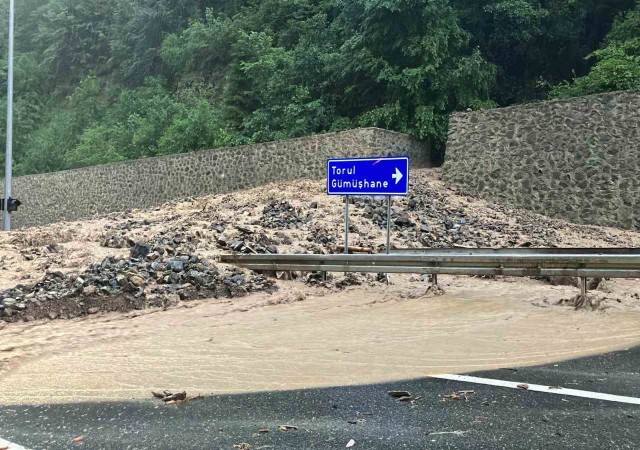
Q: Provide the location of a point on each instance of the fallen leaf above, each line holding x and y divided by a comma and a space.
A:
78, 439
523, 386
158, 395
263, 430
398, 394
287, 427
351, 443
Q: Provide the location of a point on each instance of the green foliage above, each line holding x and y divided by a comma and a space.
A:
537, 43
618, 64
110, 80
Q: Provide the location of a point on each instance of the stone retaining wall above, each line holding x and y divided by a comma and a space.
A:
577, 159
89, 192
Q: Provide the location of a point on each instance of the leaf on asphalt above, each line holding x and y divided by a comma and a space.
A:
263, 430
287, 427
242, 446
399, 394
523, 386
351, 443
78, 439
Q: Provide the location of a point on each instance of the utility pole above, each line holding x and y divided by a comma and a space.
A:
6, 215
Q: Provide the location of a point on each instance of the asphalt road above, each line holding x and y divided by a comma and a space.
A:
490, 418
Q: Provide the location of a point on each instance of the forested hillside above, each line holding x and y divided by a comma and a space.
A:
99, 81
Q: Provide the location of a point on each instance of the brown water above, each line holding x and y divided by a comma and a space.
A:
361, 335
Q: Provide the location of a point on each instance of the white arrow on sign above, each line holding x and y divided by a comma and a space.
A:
397, 176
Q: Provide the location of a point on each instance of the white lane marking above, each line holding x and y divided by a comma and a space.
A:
540, 388
10, 445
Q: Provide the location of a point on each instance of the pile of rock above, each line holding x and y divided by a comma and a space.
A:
247, 241
376, 211
281, 214
148, 272
117, 241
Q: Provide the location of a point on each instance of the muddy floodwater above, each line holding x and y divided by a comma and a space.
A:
284, 341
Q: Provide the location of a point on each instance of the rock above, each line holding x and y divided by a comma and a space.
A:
243, 230
140, 251
136, 281
174, 278
89, 290
175, 265
94, 310
153, 256
403, 222
313, 205
236, 246
9, 302
425, 228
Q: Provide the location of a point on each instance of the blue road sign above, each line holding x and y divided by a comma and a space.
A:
387, 176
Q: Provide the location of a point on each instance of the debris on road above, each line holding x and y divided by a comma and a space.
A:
457, 432
399, 394
523, 386
77, 439
409, 399
242, 446
167, 396
458, 395
263, 430
351, 443
287, 427
172, 399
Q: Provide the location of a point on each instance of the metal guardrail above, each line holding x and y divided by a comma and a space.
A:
526, 262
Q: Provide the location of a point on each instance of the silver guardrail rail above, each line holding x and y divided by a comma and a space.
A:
525, 262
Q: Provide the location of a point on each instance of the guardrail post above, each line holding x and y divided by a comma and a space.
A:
434, 280
583, 291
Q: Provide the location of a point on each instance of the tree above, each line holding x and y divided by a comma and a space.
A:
617, 65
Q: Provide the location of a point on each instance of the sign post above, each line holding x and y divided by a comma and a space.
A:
6, 215
388, 225
346, 225
385, 176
